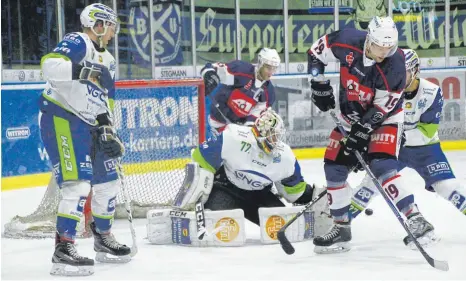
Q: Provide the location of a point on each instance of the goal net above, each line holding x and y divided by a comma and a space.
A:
159, 122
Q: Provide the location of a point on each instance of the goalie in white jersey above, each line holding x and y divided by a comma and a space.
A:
423, 106
237, 170
76, 128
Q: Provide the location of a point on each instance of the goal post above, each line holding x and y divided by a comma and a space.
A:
159, 123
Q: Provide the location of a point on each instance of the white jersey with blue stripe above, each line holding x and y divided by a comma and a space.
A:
80, 97
422, 114
246, 165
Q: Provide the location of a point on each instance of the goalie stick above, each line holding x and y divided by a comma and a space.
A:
284, 242
441, 265
121, 176
200, 219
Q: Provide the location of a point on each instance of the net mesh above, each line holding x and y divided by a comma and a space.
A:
158, 122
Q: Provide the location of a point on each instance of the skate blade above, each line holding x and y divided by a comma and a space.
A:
60, 269
109, 258
336, 248
429, 239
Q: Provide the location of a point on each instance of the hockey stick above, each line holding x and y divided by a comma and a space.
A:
200, 219
441, 265
134, 247
284, 242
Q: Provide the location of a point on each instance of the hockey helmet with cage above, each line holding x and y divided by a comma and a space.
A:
269, 130
268, 58
94, 13
382, 32
412, 64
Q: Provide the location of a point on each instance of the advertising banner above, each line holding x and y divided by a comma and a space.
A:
162, 123
153, 123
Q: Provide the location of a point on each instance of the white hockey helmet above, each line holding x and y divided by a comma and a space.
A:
412, 64
269, 130
99, 12
269, 57
382, 31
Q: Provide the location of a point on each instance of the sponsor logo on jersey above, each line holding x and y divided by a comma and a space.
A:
383, 138
408, 105
18, 133
110, 165
259, 163
273, 225
226, 229
457, 199
422, 103
66, 153
277, 159
246, 177
111, 204
438, 167
81, 204
364, 194
349, 58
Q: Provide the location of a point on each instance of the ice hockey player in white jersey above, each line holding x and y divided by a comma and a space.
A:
76, 128
233, 175
246, 161
423, 106
238, 91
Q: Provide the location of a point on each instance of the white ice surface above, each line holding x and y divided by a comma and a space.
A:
378, 251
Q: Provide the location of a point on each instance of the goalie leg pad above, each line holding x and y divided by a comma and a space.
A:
172, 226
316, 221
197, 184
71, 206
103, 204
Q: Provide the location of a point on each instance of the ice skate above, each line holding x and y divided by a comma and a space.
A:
421, 229
67, 262
108, 249
335, 241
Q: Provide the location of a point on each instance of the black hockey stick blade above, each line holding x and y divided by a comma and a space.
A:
284, 242
286, 245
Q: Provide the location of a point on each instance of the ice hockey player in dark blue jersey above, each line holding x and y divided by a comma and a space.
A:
372, 78
238, 91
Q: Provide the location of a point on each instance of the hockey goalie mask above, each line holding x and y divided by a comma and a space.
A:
268, 62
412, 66
382, 38
95, 13
269, 130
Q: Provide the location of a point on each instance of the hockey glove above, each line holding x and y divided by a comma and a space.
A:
358, 138
94, 72
322, 95
211, 81
109, 142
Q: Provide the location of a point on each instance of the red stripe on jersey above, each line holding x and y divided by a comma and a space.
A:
346, 46
390, 179
383, 77
336, 188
